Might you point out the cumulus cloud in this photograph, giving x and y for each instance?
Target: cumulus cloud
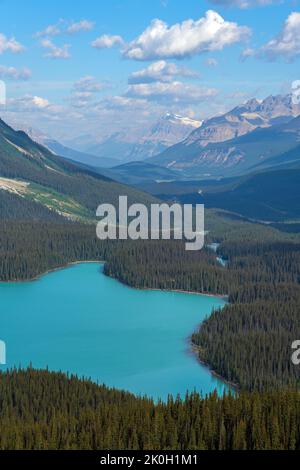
(209, 33)
(80, 26)
(10, 45)
(161, 71)
(244, 3)
(40, 102)
(65, 27)
(287, 44)
(28, 103)
(51, 30)
(174, 92)
(107, 41)
(55, 52)
(11, 73)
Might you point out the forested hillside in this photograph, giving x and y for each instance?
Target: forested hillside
(41, 410)
(261, 278)
(68, 188)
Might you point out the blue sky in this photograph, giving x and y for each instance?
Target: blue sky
(90, 67)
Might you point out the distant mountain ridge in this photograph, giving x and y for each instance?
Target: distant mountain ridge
(59, 149)
(169, 130)
(245, 118)
(219, 144)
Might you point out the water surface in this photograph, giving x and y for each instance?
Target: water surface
(80, 321)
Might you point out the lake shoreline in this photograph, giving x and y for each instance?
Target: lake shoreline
(193, 349)
(196, 351)
(49, 271)
(74, 263)
(190, 292)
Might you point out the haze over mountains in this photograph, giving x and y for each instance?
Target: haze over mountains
(125, 147)
(59, 149)
(241, 140)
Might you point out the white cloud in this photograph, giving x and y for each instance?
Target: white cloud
(209, 33)
(51, 30)
(40, 102)
(10, 45)
(246, 53)
(84, 92)
(80, 26)
(174, 92)
(12, 73)
(244, 3)
(55, 52)
(107, 41)
(123, 101)
(88, 85)
(28, 103)
(161, 71)
(287, 43)
(210, 62)
(65, 27)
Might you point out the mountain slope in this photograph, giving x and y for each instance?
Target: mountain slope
(270, 196)
(54, 182)
(285, 160)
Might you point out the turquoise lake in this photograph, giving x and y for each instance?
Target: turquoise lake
(78, 320)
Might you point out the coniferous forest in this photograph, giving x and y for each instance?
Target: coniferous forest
(111, 112)
(42, 410)
(248, 342)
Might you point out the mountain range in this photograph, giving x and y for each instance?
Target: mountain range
(236, 141)
(126, 147)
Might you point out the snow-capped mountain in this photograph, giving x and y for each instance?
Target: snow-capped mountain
(219, 143)
(126, 147)
(169, 130)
